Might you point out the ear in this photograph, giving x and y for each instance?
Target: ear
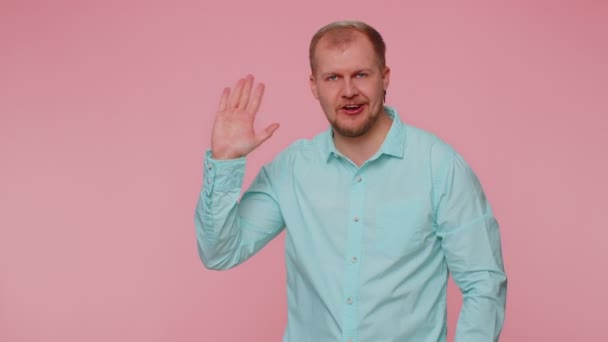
(386, 77)
(313, 87)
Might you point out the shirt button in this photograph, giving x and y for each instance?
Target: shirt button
(353, 260)
(358, 179)
(356, 218)
(209, 167)
(349, 301)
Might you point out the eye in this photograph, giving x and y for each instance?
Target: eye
(331, 78)
(361, 75)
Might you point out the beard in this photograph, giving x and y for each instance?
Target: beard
(356, 131)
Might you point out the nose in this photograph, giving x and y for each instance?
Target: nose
(349, 90)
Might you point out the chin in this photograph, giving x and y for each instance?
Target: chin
(353, 131)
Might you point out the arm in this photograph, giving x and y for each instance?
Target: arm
(471, 244)
(228, 231)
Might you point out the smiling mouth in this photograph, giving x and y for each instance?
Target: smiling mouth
(352, 109)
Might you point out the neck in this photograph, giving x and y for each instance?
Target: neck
(360, 149)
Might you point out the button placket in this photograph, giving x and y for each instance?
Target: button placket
(352, 255)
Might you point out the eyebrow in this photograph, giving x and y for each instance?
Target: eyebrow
(331, 73)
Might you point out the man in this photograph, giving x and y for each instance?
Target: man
(377, 212)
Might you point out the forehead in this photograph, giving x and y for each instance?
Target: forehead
(339, 37)
(344, 49)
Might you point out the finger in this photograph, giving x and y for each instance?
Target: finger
(224, 99)
(256, 99)
(244, 100)
(266, 133)
(236, 94)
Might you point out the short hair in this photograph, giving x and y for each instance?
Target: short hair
(343, 32)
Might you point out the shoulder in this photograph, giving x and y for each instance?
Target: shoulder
(298, 154)
(446, 163)
(427, 144)
(301, 148)
(427, 147)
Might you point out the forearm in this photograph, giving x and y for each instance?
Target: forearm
(218, 232)
(483, 310)
(228, 231)
(474, 256)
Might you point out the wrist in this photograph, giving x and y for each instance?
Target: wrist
(218, 155)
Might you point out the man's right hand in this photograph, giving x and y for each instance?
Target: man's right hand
(233, 133)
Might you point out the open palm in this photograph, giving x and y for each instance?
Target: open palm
(233, 133)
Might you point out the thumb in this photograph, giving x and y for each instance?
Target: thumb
(266, 133)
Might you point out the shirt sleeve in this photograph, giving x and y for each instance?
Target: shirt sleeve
(470, 240)
(230, 231)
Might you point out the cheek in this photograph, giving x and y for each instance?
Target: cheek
(326, 96)
(326, 104)
(376, 91)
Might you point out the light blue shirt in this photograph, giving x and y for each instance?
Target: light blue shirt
(368, 249)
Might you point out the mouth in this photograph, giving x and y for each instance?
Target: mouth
(352, 109)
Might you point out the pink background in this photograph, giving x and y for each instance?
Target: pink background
(106, 109)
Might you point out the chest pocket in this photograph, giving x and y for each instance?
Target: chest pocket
(401, 225)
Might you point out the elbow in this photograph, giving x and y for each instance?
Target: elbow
(214, 265)
(489, 284)
(209, 263)
(212, 261)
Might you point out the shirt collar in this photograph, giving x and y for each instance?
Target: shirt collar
(393, 144)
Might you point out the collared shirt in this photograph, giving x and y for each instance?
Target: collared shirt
(368, 249)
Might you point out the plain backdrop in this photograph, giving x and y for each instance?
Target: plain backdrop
(106, 110)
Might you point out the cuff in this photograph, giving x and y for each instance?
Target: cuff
(225, 174)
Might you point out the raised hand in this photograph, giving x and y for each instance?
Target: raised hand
(233, 133)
